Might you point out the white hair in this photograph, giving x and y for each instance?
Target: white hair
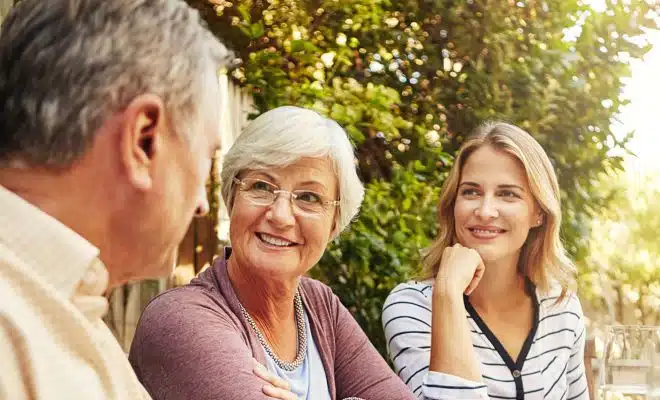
(282, 136)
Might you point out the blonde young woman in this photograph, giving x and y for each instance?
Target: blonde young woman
(494, 315)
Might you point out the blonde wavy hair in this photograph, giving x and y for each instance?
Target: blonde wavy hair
(543, 259)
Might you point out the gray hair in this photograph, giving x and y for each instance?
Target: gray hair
(282, 136)
(66, 65)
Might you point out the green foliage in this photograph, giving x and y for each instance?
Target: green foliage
(622, 272)
(381, 246)
(408, 80)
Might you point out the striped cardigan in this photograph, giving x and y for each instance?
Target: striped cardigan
(550, 364)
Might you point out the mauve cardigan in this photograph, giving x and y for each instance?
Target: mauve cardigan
(193, 342)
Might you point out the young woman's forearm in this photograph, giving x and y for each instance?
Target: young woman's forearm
(451, 339)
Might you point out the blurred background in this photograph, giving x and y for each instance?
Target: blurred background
(408, 79)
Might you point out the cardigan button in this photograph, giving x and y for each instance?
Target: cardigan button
(515, 373)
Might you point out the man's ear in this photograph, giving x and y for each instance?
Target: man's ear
(142, 129)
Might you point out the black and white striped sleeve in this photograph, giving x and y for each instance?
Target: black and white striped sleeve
(575, 370)
(407, 325)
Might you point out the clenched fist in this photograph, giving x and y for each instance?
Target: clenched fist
(460, 271)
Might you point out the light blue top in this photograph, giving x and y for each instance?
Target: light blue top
(308, 381)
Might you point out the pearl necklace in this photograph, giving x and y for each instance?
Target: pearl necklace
(301, 350)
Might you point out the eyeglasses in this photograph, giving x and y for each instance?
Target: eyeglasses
(305, 202)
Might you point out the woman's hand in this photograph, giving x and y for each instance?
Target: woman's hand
(277, 387)
(452, 353)
(460, 271)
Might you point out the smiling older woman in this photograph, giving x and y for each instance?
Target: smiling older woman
(290, 186)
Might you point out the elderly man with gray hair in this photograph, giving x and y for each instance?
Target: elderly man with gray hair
(107, 130)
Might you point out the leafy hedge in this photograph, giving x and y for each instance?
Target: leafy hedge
(409, 79)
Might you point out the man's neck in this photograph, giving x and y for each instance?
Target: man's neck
(64, 195)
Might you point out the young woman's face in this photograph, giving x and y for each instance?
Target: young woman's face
(494, 208)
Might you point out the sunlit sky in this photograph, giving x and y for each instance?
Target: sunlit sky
(643, 112)
(642, 115)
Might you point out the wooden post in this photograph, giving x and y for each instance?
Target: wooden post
(589, 356)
